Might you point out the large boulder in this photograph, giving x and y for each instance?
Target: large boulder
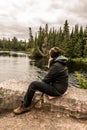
(73, 103)
(11, 93)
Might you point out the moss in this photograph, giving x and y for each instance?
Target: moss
(47, 107)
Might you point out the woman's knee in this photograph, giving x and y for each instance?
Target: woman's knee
(33, 85)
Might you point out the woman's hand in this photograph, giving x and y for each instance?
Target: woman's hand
(50, 59)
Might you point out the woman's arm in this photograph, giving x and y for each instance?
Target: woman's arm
(52, 74)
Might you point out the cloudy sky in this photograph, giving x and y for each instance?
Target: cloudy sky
(17, 15)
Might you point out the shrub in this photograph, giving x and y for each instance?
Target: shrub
(82, 80)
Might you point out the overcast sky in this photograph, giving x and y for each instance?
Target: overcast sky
(17, 15)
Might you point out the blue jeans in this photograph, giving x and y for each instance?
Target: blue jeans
(40, 86)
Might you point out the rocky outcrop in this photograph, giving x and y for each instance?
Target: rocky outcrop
(73, 103)
(11, 92)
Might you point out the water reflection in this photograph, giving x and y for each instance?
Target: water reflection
(19, 67)
(40, 63)
(15, 65)
(72, 65)
(12, 53)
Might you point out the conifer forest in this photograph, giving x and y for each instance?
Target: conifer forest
(73, 42)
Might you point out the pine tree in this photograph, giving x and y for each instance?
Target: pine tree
(78, 51)
(15, 44)
(66, 32)
(46, 29)
(85, 51)
(53, 37)
(85, 42)
(31, 41)
(49, 38)
(66, 37)
(59, 38)
(81, 32)
(40, 39)
(74, 40)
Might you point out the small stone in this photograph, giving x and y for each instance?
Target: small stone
(58, 115)
(67, 115)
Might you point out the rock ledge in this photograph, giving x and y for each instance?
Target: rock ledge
(73, 103)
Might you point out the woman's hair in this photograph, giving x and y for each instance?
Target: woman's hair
(55, 52)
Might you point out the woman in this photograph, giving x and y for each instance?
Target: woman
(55, 83)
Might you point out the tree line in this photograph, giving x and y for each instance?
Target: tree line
(12, 44)
(72, 42)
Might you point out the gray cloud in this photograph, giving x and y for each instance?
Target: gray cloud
(17, 15)
(75, 12)
(80, 9)
(13, 30)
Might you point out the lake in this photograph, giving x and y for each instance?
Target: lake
(15, 65)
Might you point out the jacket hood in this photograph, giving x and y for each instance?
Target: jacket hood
(61, 59)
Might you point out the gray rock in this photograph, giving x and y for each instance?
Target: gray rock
(73, 103)
(11, 93)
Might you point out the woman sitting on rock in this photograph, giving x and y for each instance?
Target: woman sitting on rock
(54, 84)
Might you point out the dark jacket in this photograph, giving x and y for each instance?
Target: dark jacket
(58, 74)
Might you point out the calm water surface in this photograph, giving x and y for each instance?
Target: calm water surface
(15, 65)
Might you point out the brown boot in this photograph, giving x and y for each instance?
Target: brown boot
(21, 109)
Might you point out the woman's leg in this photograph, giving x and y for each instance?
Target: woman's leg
(36, 85)
(40, 86)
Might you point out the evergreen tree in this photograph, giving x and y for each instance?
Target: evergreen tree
(1, 44)
(50, 38)
(15, 44)
(81, 32)
(35, 40)
(59, 38)
(85, 42)
(78, 49)
(66, 32)
(74, 40)
(46, 29)
(85, 51)
(40, 39)
(31, 41)
(66, 37)
(9, 44)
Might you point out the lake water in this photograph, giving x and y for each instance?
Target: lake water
(14, 65)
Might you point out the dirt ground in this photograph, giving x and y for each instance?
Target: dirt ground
(40, 120)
